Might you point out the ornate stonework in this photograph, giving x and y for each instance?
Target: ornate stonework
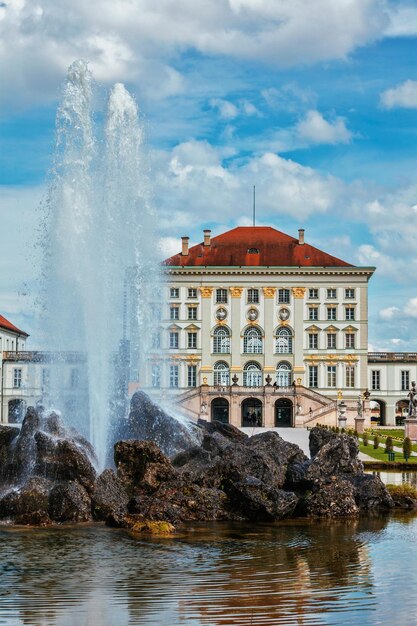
(236, 292)
(206, 292)
(298, 292)
(269, 292)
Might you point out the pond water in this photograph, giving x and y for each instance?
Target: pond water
(396, 478)
(357, 572)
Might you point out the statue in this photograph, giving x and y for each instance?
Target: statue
(412, 401)
(360, 406)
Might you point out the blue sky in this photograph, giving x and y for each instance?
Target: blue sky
(315, 103)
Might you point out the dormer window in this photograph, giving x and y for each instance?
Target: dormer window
(253, 251)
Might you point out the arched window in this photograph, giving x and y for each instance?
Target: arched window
(221, 374)
(221, 340)
(252, 375)
(283, 341)
(284, 377)
(252, 341)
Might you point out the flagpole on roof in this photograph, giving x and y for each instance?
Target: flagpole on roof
(254, 204)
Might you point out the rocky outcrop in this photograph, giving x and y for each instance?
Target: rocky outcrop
(69, 502)
(333, 498)
(109, 497)
(142, 464)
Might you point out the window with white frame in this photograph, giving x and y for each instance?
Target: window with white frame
(156, 376)
(17, 378)
(283, 374)
(331, 313)
(221, 296)
(331, 294)
(252, 374)
(313, 341)
(156, 340)
(221, 340)
(192, 292)
(252, 341)
(192, 340)
(192, 375)
(173, 339)
(253, 296)
(313, 293)
(283, 341)
(350, 313)
(313, 313)
(174, 292)
(283, 296)
(173, 376)
(331, 341)
(221, 372)
(405, 380)
(349, 293)
(192, 312)
(375, 380)
(313, 376)
(350, 340)
(331, 375)
(174, 313)
(350, 375)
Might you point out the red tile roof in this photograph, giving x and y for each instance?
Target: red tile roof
(269, 247)
(9, 326)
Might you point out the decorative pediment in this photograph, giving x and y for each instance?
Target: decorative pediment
(313, 329)
(350, 329)
(331, 329)
(192, 328)
(174, 328)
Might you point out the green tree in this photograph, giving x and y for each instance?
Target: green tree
(365, 439)
(407, 447)
(376, 442)
(389, 444)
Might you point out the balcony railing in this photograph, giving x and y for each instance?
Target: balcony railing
(40, 356)
(392, 356)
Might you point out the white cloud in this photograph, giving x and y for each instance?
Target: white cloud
(314, 129)
(404, 95)
(402, 21)
(141, 41)
(410, 308)
(227, 110)
(389, 313)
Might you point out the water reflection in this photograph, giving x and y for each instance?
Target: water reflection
(288, 573)
(396, 478)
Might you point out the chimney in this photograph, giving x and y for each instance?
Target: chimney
(301, 236)
(184, 251)
(207, 232)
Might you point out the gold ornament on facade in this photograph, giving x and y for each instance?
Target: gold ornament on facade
(298, 292)
(206, 292)
(269, 292)
(236, 292)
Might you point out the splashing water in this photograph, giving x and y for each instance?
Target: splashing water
(99, 243)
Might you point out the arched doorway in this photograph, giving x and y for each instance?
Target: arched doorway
(284, 374)
(283, 412)
(252, 412)
(16, 411)
(220, 410)
(378, 412)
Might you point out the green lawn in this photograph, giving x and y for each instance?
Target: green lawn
(397, 435)
(380, 455)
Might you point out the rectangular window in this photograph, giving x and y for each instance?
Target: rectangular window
(46, 378)
(375, 380)
(174, 313)
(313, 313)
(331, 341)
(283, 296)
(221, 296)
(350, 376)
(74, 378)
(173, 339)
(191, 340)
(349, 293)
(350, 313)
(331, 294)
(331, 375)
(156, 340)
(253, 296)
(174, 292)
(156, 376)
(313, 341)
(350, 340)
(405, 380)
(192, 312)
(192, 292)
(331, 313)
(173, 376)
(313, 294)
(17, 378)
(313, 376)
(192, 376)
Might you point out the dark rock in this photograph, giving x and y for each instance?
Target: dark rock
(69, 502)
(109, 497)
(370, 492)
(27, 504)
(318, 437)
(140, 464)
(7, 436)
(288, 457)
(332, 499)
(338, 456)
(227, 431)
(148, 422)
(257, 501)
(63, 459)
(197, 456)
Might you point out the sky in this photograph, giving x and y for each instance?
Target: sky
(313, 102)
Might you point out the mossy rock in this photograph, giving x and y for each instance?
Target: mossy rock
(149, 527)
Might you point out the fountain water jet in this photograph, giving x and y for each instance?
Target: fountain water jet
(98, 227)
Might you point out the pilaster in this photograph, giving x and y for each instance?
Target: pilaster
(298, 324)
(269, 324)
(235, 311)
(206, 323)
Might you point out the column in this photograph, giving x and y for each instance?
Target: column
(206, 322)
(269, 323)
(298, 324)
